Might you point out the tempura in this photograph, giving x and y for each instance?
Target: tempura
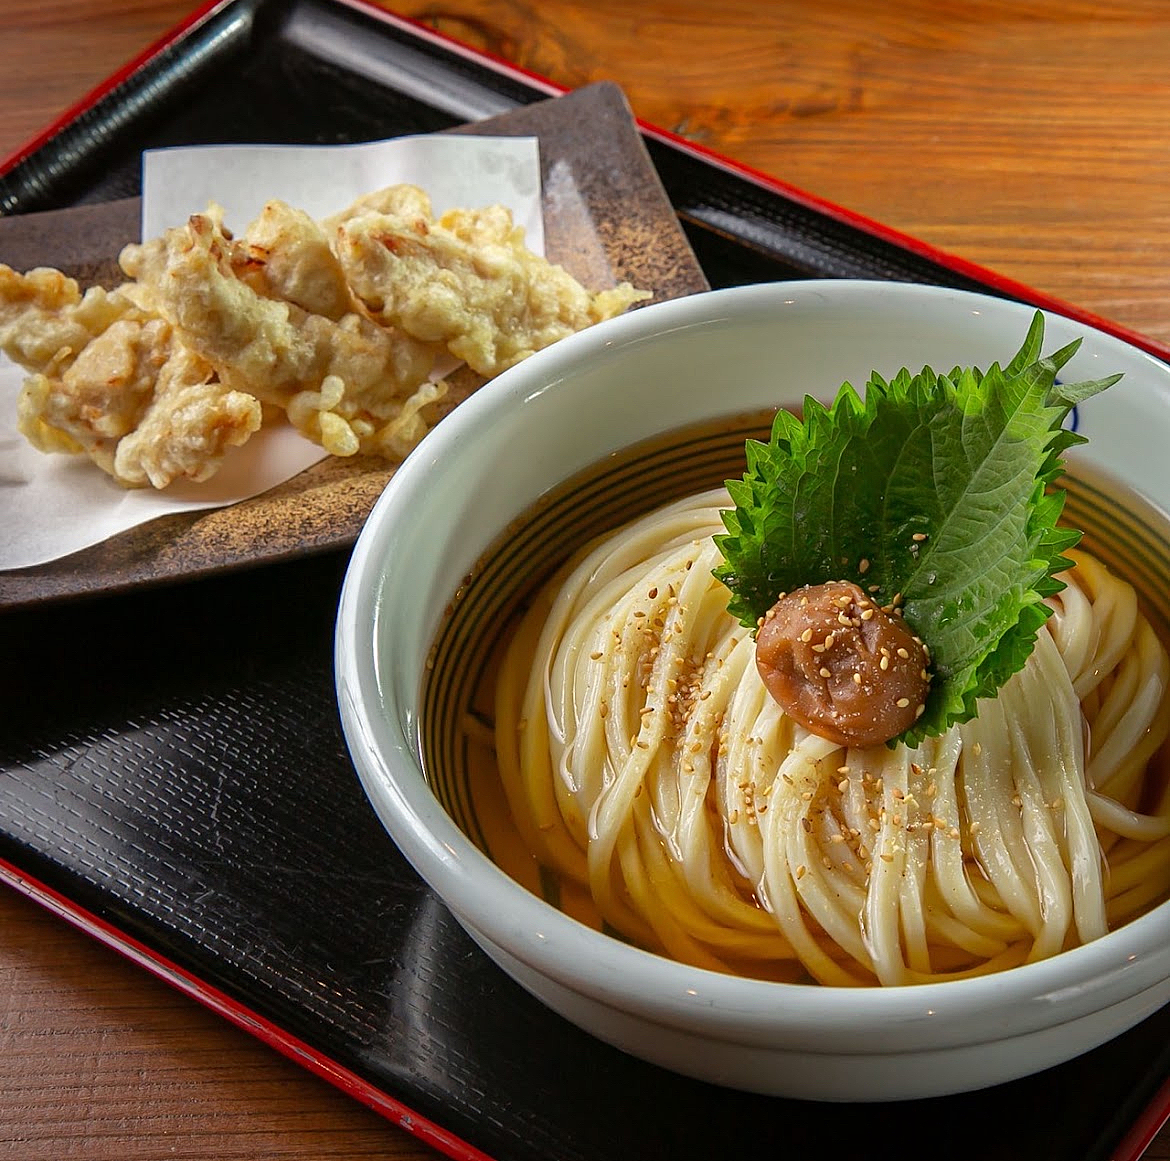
(340, 327)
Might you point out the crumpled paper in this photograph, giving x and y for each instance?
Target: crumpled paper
(53, 505)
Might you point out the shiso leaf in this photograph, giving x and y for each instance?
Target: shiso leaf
(937, 488)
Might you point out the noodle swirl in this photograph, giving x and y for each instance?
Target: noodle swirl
(642, 757)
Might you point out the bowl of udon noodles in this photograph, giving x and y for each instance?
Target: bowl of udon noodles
(571, 740)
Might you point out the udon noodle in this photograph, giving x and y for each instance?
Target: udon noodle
(643, 758)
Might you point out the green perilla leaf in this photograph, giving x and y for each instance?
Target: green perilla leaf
(936, 489)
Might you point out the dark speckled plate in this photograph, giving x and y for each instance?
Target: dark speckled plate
(607, 219)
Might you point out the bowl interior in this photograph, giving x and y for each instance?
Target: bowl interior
(1125, 532)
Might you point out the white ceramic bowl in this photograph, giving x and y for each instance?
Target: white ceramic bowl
(657, 368)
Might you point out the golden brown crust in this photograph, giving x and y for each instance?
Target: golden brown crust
(466, 280)
(158, 379)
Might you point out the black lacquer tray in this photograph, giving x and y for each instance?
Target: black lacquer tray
(184, 793)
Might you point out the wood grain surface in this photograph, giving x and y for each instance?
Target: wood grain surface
(1030, 138)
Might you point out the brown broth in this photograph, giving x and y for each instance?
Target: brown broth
(1127, 534)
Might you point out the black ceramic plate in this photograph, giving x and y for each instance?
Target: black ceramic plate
(188, 798)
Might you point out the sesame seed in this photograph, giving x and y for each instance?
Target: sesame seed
(919, 537)
(856, 677)
(801, 871)
(825, 672)
(902, 653)
(884, 663)
(863, 566)
(806, 636)
(902, 702)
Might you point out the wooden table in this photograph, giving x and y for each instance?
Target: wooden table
(1029, 137)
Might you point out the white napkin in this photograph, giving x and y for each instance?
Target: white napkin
(52, 505)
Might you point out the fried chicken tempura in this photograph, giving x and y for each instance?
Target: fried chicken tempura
(285, 254)
(337, 324)
(100, 396)
(188, 426)
(400, 201)
(45, 321)
(467, 281)
(345, 383)
(108, 381)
